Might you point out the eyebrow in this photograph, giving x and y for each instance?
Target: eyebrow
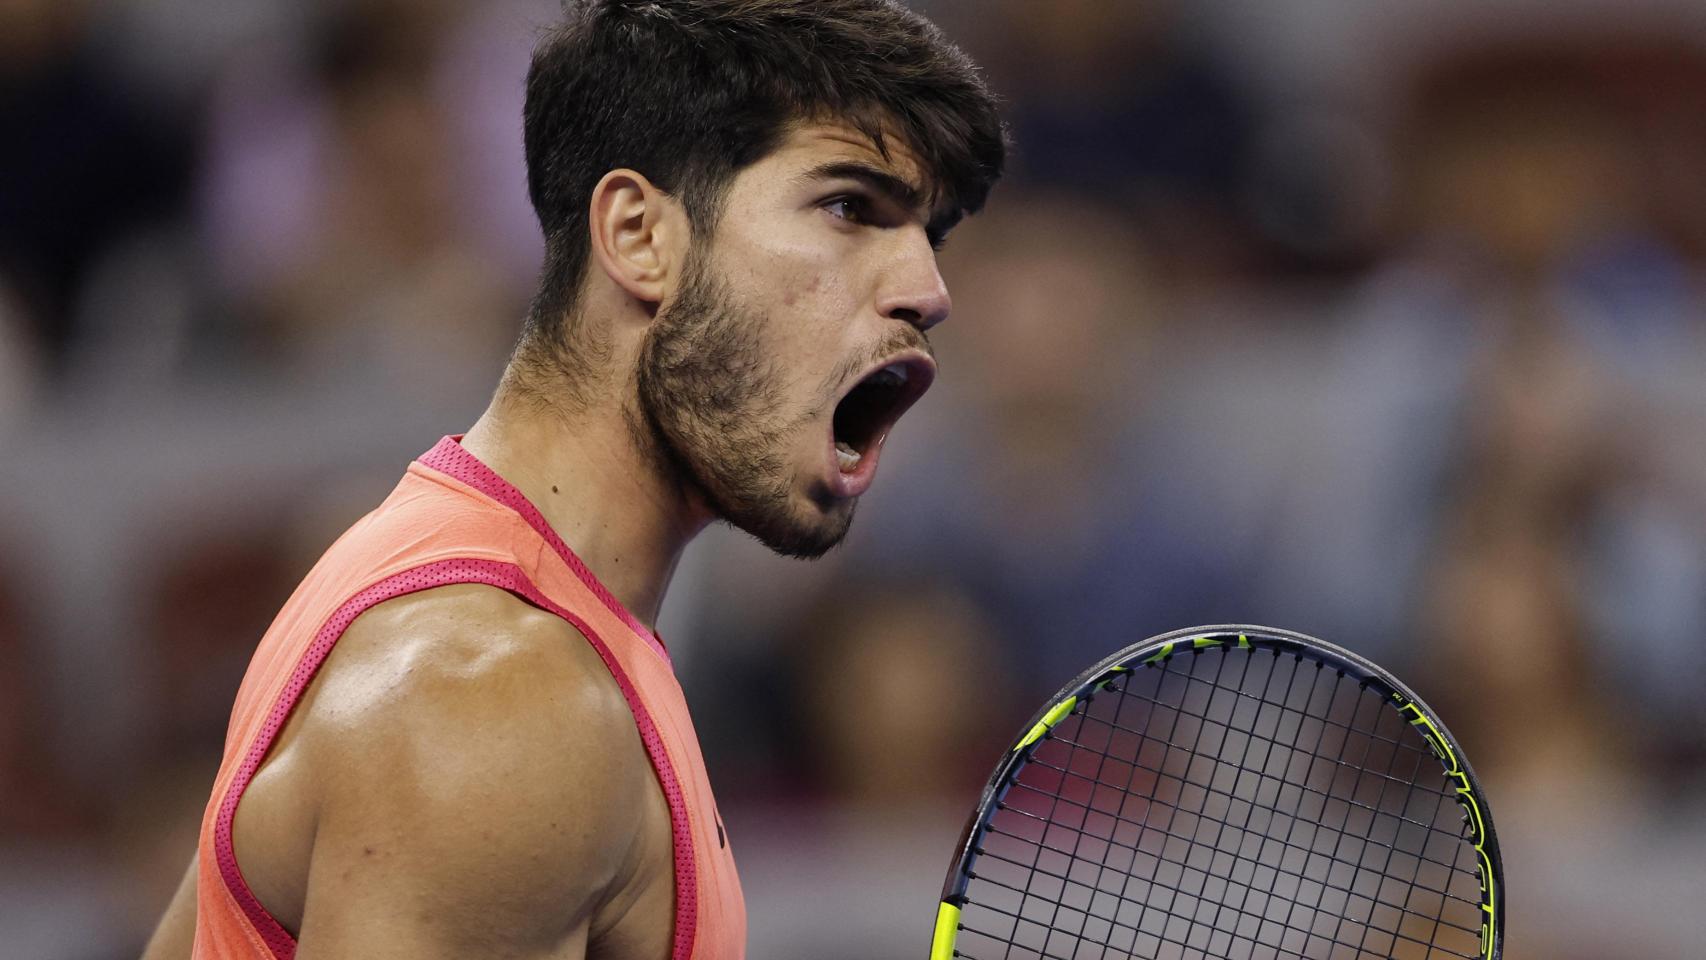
(897, 190)
(878, 179)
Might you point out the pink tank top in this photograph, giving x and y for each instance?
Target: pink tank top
(453, 520)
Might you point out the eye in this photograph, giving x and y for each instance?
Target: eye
(853, 209)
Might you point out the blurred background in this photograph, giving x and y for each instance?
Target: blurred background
(1380, 321)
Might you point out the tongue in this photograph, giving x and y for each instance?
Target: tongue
(846, 456)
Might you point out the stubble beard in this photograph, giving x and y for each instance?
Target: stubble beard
(709, 396)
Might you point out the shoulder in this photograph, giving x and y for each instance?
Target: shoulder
(480, 666)
(469, 682)
(451, 646)
(475, 746)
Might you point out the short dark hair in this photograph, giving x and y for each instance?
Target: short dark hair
(689, 92)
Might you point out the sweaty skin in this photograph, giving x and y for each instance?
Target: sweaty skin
(387, 821)
(434, 837)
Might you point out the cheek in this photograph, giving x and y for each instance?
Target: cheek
(813, 305)
(823, 292)
(793, 262)
(812, 314)
(803, 293)
(800, 280)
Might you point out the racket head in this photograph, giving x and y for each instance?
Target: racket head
(1302, 837)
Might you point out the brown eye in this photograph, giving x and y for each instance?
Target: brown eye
(851, 209)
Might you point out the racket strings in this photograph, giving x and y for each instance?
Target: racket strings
(1237, 856)
(1063, 878)
(1418, 752)
(1441, 795)
(1091, 914)
(1316, 819)
(1193, 841)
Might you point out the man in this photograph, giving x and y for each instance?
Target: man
(461, 737)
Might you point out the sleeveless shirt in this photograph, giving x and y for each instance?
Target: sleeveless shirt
(453, 520)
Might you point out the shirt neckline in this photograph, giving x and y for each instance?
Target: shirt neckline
(452, 459)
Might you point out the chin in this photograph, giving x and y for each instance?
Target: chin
(804, 534)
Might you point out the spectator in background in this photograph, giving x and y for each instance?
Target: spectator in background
(898, 686)
(1527, 226)
(370, 269)
(90, 163)
(1513, 658)
(1503, 620)
(1120, 101)
(36, 798)
(896, 697)
(51, 897)
(1496, 482)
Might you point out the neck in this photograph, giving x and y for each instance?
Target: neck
(626, 516)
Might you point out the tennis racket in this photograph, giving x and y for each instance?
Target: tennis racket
(1228, 793)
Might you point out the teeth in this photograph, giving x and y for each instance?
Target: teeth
(846, 456)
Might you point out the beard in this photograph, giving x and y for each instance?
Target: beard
(710, 397)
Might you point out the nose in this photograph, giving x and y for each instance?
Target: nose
(913, 289)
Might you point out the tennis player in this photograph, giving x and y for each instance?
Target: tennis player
(462, 737)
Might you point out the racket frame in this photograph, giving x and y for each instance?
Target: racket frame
(1098, 678)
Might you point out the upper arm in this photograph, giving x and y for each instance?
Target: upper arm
(478, 797)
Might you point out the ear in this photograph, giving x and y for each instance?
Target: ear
(639, 234)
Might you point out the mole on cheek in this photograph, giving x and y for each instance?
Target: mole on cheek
(793, 296)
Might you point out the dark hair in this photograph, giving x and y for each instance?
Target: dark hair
(689, 92)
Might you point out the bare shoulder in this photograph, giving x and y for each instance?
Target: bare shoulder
(475, 769)
(466, 654)
(482, 667)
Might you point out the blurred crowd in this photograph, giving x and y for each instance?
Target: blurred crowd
(1386, 328)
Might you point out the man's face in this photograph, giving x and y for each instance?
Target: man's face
(796, 340)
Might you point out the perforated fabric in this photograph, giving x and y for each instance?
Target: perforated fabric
(444, 526)
(449, 458)
(505, 576)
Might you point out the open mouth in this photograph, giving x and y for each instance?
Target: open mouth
(865, 415)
